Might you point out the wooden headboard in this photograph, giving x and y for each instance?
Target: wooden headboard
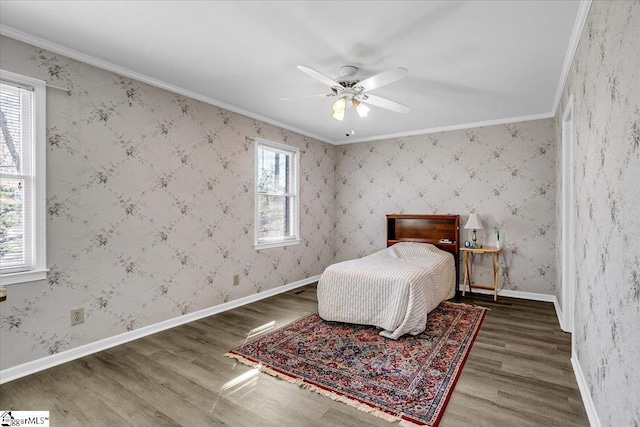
(426, 229)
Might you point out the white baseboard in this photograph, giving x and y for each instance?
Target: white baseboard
(47, 362)
(559, 313)
(514, 294)
(525, 295)
(590, 408)
(594, 421)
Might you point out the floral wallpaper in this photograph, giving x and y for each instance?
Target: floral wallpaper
(150, 209)
(504, 173)
(605, 82)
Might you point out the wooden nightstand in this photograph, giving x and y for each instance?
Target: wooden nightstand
(495, 258)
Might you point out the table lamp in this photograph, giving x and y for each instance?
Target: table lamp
(474, 223)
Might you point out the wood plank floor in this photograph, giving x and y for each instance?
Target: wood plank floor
(518, 374)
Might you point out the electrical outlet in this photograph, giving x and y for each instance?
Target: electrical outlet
(77, 316)
(236, 279)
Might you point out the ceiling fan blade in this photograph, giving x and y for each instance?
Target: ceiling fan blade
(320, 77)
(382, 79)
(317, 95)
(381, 102)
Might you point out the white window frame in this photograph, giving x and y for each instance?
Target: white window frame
(294, 239)
(35, 217)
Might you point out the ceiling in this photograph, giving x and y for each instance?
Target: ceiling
(470, 62)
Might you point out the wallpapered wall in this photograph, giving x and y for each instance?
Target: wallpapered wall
(504, 173)
(605, 82)
(150, 205)
(150, 209)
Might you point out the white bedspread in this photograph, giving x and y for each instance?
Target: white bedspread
(393, 289)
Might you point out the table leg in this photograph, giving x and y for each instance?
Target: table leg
(466, 274)
(496, 266)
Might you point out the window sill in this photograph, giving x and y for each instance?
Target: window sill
(22, 277)
(260, 246)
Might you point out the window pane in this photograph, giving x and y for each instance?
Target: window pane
(274, 217)
(273, 171)
(277, 191)
(15, 128)
(12, 232)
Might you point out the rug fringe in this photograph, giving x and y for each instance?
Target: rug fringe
(468, 305)
(331, 395)
(407, 423)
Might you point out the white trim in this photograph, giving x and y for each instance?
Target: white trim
(40, 165)
(578, 27)
(23, 276)
(47, 362)
(279, 243)
(534, 296)
(463, 126)
(20, 79)
(294, 193)
(284, 148)
(589, 406)
(87, 59)
(568, 215)
(37, 221)
(556, 305)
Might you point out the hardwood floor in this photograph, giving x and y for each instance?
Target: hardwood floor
(518, 373)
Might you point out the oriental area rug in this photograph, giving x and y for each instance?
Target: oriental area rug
(408, 380)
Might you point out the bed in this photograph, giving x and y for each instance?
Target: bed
(395, 288)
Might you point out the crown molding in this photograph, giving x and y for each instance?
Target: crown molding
(578, 27)
(463, 126)
(105, 65)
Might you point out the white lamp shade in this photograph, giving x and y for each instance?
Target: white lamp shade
(338, 115)
(362, 109)
(340, 104)
(474, 223)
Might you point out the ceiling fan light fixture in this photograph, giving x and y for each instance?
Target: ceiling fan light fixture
(347, 87)
(362, 109)
(338, 115)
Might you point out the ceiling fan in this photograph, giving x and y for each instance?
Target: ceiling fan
(350, 90)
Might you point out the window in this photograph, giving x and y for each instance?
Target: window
(22, 179)
(277, 201)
